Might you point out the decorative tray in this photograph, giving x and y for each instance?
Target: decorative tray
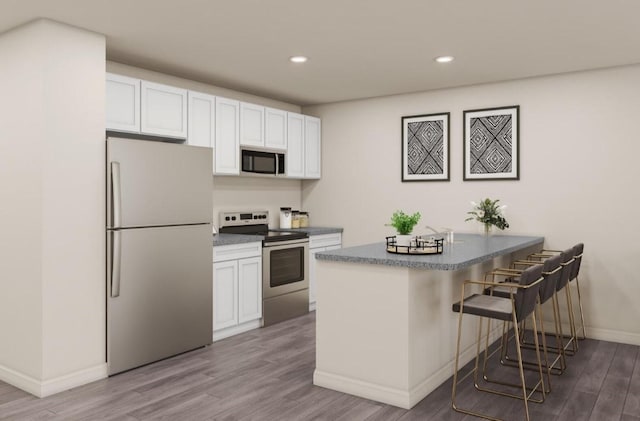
(417, 245)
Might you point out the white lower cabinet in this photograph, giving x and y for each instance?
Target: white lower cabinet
(249, 289)
(225, 294)
(318, 243)
(237, 289)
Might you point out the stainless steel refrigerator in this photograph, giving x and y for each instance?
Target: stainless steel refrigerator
(159, 251)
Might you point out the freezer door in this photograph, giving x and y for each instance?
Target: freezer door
(157, 183)
(163, 302)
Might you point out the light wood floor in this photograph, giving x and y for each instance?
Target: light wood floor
(266, 374)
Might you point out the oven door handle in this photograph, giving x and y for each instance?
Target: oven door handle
(286, 244)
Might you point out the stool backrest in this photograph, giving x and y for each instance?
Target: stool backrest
(577, 254)
(567, 267)
(552, 271)
(525, 300)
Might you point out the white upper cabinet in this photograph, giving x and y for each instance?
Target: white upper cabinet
(313, 147)
(139, 106)
(164, 110)
(227, 137)
(251, 125)
(202, 109)
(275, 124)
(295, 145)
(123, 103)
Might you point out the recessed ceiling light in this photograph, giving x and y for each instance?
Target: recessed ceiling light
(444, 59)
(298, 59)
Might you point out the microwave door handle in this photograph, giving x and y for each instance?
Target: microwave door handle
(277, 164)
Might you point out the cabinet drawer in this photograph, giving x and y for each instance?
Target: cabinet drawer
(236, 251)
(325, 240)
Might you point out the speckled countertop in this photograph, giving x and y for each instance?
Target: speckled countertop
(313, 230)
(228, 239)
(467, 250)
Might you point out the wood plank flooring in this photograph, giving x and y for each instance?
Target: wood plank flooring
(266, 374)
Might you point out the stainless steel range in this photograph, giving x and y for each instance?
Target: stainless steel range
(285, 264)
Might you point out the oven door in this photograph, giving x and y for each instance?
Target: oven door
(285, 267)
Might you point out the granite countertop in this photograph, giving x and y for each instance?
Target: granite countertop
(467, 250)
(228, 239)
(313, 230)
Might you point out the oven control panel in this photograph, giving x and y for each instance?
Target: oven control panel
(243, 218)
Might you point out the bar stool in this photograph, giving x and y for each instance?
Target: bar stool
(551, 272)
(569, 263)
(520, 305)
(578, 250)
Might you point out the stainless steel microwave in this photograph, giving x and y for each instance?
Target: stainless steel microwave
(261, 162)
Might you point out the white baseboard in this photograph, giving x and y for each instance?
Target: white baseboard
(50, 387)
(312, 306)
(235, 330)
(388, 395)
(608, 335)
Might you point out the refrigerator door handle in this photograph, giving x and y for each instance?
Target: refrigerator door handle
(116, 195)
(115, 263)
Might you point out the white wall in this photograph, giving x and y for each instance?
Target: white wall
(233, 193)
(21, 128)
(52, 293)
(579, 152)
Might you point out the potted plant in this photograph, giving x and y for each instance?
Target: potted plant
(404, 224)
(488, 213)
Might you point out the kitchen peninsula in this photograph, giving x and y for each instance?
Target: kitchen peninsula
(384, 329)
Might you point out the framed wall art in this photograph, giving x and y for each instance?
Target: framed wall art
(491, 144)
(425, 147)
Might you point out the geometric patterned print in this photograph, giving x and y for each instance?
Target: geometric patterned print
(425, 147)
(490, 144)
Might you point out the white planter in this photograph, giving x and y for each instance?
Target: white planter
(403, 240)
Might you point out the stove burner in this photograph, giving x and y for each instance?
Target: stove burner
(245, 223)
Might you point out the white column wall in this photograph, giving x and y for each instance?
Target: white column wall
(53, 291)
(21, 128)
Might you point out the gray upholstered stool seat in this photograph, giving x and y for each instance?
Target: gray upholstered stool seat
(487, 306)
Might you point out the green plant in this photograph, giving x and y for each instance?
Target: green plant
(489, 213)
(404, 223)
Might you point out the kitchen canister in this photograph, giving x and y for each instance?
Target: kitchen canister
(295, 219)
(304, 219)
(285, 218)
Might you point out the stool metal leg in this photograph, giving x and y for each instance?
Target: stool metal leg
(558, 333)
(584, 332)
(572, 321)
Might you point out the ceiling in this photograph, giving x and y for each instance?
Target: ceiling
(356, 48)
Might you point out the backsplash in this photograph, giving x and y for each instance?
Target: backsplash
(255, 193)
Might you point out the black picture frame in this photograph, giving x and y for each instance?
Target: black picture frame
(491, 145)
(425, 147)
